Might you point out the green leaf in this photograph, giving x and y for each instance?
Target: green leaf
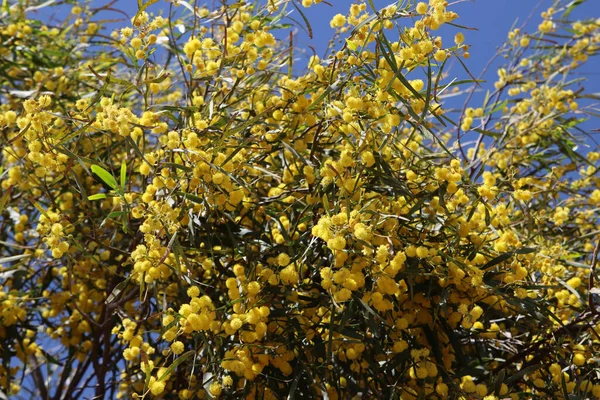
(308, 27)
(576, 264)
(50, 358)
(351, 45)
(569, 288)
(5, 198)
(326, 203)
(497, 107)
(570, 7)
(142, 7)
(117, 290)
(523, 373)
(79, 159)
(10, 259)
(505, 256)
(123, 175)
(97, 196)
(495, 261)
(294, 385)
(487, 133)
(103, 89)
(178, 361)
(499, 382)
(116, 214)
(158, 79)
(525, 250)
(105, 176)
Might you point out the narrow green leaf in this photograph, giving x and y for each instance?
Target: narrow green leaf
(306, 21)
(158, 79)
(97, 196)
(525, 250)
(369, 309)
(570, 7)
(495, 261)
(103, 89)
(5, 198)
(105, 176)
(569, 288)
(522, 373)
(468, 72)
(487, 133)
(326, 203)
(81, 160)
(116, 214)
(351, 45)
(499, 382)
(10, 259)
(178, 361)
(116, 292)
(576, 264)
(123, 175)
(497, 108)
(294, 384)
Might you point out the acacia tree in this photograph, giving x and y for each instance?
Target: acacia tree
(189, 210)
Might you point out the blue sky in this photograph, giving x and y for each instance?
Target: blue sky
(490, 19)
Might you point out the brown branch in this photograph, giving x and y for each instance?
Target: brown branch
(81, 368)
(591, 280)
(562, 331)
(38, 378)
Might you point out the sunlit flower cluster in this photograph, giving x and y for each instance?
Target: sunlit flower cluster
(234, 222)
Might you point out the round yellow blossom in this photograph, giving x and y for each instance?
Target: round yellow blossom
(193, 291)
(422, 8)
(157, 387)
(215, 389)
(441, 389)
(337, 21)
(283, 259)
(422, 252)
(253, 288)
(579, 359)
(336, 243)
(136, 43)
(177, 347)
(459, 38)
(440, 55)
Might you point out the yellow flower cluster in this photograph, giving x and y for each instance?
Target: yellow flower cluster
(224, 228)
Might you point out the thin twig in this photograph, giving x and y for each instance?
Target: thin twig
(591, 279)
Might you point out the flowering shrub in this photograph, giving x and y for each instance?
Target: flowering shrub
(188, 210)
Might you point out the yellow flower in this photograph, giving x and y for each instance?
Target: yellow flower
(459, 38)
(422, 8)
(157, 388)
(337, 21)
(215, 389)
(177, 347)
(440, 56)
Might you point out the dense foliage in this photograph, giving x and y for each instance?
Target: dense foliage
(190, 208)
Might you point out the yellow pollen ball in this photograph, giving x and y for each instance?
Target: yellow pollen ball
(440, 55)
(422, 8)
(579, 359)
